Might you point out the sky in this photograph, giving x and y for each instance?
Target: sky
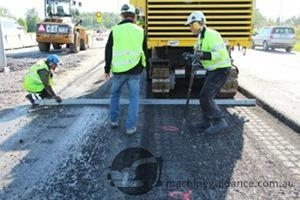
(269, 8)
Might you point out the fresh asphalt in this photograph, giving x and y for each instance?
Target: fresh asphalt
(67, 152)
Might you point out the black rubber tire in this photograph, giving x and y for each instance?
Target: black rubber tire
(56, 46)
(265, 46)
(252, 45)
(74, 48)
(83, 45)
(44, 47)
(288, 49)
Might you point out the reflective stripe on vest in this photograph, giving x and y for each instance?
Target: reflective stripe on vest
(214, 43)
(32, 81)
(127, 47)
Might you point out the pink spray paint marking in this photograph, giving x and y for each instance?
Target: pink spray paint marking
(181, 195)
(169, 128)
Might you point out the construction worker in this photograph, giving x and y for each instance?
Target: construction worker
(211, 52)
(125, 57)
(39, 80)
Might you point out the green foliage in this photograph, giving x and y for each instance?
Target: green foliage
(108, 20)
(4, 12)
(259, 20)
(294, 21)
(32, 18)
(23, 23)
(297, 46)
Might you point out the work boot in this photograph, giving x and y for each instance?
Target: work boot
(131, 131)
(216, 126)
(113, 124)
(204, 124)
(29, 97)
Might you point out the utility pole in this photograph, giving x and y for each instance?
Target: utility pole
(2, 52)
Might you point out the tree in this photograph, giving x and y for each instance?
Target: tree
(4, 12)
(258, 19)
(294, 21)
(32, 18)
(23, 23)
(110, 19)
(89, 20)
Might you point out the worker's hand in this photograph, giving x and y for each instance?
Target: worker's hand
(107, 76)
(58, 99)
(198, 55)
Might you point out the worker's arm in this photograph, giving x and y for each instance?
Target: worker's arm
(145, 49)
(44, 75)
(203, 55)
(108, 53)
(218, 48)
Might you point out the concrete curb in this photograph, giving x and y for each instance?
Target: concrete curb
(273, 111)
(21, 41)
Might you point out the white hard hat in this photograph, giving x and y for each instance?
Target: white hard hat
(128, 8)
(196, 16)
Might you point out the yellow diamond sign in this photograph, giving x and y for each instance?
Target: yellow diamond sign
(99, 17)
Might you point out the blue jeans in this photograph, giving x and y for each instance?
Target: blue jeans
(133, 84)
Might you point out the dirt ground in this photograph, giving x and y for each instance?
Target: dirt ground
(11, 89)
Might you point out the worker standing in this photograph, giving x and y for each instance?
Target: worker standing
(125, 57)
(211, 52)
(39, 80)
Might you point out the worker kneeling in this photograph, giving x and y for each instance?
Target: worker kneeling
(39, 80)
(212, 53)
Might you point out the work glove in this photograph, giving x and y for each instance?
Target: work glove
(57, 99)
(198, 55)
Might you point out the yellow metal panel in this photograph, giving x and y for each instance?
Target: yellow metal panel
(234, 33)
(228, 17)
(152, 23)
(231, 27)
(186, 12)
(139, 4)
(219, 28)
(239, 1)
(166, 33)
(185, 28)
(229, 22)
(207, 18)
(187, 42)
(199, 6)
(194, 1)
(166, 18)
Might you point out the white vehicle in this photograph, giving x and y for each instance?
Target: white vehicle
(275, 37)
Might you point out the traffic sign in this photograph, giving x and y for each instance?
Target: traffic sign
(99, 17)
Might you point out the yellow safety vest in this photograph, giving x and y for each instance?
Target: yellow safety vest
(127, 47)
(214, 43)
(32, 81)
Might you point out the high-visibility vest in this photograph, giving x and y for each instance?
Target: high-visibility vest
(32, 81)
(127, 47)
(213, 43)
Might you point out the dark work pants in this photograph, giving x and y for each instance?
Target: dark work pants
(213, 82)
(44, 94)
